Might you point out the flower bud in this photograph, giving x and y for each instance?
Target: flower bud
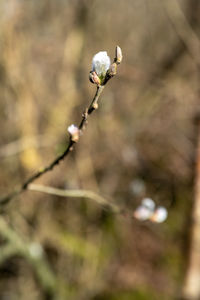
(95, 105)
(118, 55)
(74, 132)
(113, 69)
(101, 64)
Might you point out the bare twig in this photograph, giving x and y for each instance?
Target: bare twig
(76, 194)
(94, 105)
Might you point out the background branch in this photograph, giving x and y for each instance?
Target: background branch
(75, 194)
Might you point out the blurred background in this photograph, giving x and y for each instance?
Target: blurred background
(141, 142)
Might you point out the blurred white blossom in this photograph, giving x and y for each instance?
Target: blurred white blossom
(137, 187)
(148, 211)
(160, 215)
(145, 210)
(148, 203)
(142, 213)
(101, 63)
(36, 250)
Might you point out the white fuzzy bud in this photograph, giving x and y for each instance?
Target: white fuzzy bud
(101, 64)
(74, 132)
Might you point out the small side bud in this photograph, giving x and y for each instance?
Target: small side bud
(95, 105)
(113, 70)
(118, 55)
(94, 78)
(74, 133)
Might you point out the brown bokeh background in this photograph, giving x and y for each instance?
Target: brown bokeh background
(140, 142)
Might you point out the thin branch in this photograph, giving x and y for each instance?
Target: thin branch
(93, 106)
(76, 194)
